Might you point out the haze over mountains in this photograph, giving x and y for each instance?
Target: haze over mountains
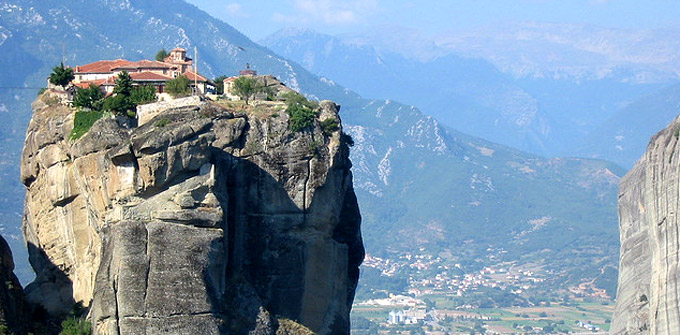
(544, 88)
(420, 183)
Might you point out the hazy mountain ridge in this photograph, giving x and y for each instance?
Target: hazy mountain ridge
(548, 115)
(410, 171)
(623, 137)
(546, 50)
(466, 93)
(579, 52)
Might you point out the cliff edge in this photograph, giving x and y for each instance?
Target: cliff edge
(649, 201)
(208, 218)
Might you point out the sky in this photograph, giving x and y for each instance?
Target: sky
(259, 18)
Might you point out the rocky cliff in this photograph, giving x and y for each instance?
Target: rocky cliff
(649, 201)
(13, 308)
(207, 219)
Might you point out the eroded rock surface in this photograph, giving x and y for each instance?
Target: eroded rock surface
(13, 308)
(649, 201)
(206, 219)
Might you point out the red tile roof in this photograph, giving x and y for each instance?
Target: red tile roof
(86, 84)
(102, 66)
(150, 76)
(191, 75)
(145, 64)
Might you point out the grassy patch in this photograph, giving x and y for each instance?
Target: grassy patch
(161, 123)
(82, 123)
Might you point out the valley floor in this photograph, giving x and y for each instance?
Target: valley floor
(437, 315)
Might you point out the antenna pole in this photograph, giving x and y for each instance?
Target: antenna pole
(63, 52)
(196, 69)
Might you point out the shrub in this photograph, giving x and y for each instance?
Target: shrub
(329, 126)
(301, 117)
(290, 327)
(178, 87)
(219, 84)
(246, 87)
(294, 98)
(75, 326)
(119, 104)
(161, 123)
(161, 55)
(82, 122)
(90, 97)
(300, 110)
(61, 76)
(143, 94)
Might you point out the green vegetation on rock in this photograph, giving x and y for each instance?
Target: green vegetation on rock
(61, 75)
(246, 87)
(178, 87)
(301, 111)
(143, 94)
(82, 122)
(91, 97)
(75, 326)
(329, 126)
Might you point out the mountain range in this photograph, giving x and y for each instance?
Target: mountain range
(556, 105)
(421, 184)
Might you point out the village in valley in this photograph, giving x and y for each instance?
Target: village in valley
(441, 298)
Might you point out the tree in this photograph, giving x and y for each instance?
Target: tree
(161, 55)
(219, 84)
(143, 94)
(178, 87)
(246, 87)
(301, 111)
(301, 117)
(119, 104)
(90, 97)
(75, 326)
(123, 84)
(61, 76)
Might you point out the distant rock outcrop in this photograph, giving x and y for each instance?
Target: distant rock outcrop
(207, 219)
(13, 307)
(649, 203)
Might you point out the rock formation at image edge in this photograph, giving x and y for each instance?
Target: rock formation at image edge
(649, 201)
(207, 218)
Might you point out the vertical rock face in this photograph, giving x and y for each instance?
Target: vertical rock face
(649, 201)
(13, 307)
(205, 220)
